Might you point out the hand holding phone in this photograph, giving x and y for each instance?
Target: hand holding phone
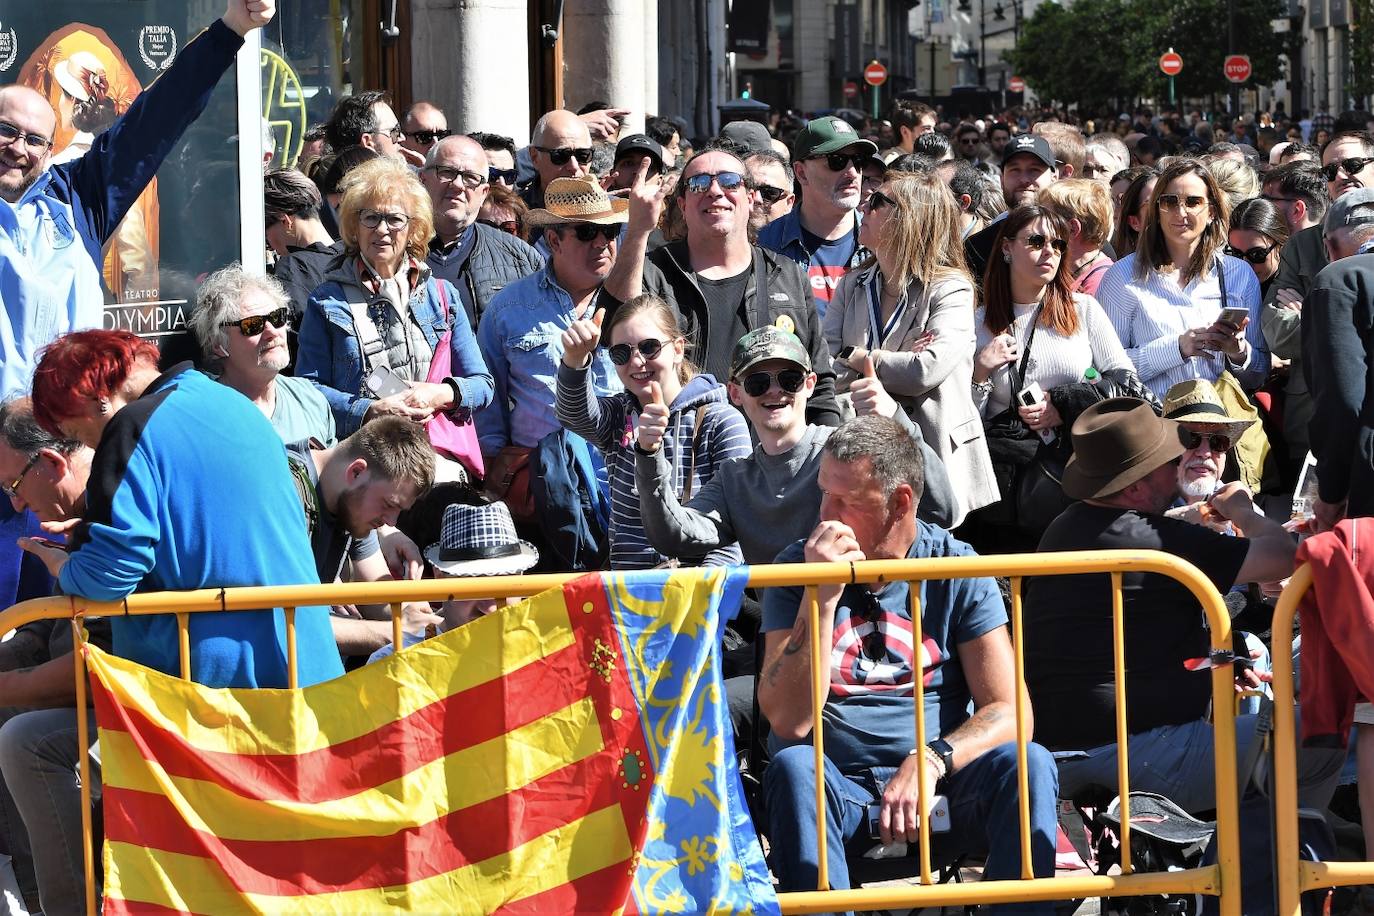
(383, 382)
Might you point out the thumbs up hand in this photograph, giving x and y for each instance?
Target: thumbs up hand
(581, 338)
(868, 394)
(653, 420)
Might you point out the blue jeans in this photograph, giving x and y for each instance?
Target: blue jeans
(983, 816)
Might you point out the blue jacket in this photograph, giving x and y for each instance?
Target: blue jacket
(331, 357)
(50, 241)
(190, 489)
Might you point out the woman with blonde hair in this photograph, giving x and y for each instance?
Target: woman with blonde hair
(1182, 308)
(1236, 179)
(1085, 205)
(907, 316)
(370, 329)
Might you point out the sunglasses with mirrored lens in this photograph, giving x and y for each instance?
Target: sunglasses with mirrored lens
(757, 384)
(1257, 255)
(501, 176)
(700, 183)
(769, 194)
(1351, 167)
(1037, 241)
(648, 348)
(562, 154)
(1215, 441)
(254, 324)
(1191, 202)
(838, 162)
(877, 200)
(429, 136)
(586, 232)
(510, 225)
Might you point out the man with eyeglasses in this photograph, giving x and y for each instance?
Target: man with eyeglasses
(870, 480)
(424, 126)
(478, 260)
(62, 216)
(560, 147)
(366, 119)
(721, 285)
(822, 232)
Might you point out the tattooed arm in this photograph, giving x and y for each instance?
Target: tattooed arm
(989, 668)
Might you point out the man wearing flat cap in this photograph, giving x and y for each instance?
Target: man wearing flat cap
(1124, 474)
(1337, 330)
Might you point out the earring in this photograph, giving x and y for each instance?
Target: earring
(104, 406)
(1006, 256)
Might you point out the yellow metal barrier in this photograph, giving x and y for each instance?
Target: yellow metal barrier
(1221, 879)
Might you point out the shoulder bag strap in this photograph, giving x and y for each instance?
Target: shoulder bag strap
(1019, 376)
(692, 454)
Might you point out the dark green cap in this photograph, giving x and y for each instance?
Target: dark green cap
(826, 135)
(765, 343)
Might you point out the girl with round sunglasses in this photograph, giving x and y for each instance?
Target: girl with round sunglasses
(667, 406)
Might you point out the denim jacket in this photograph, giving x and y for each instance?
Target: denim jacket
(330, 355)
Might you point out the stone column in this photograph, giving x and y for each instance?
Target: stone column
(650, 45)
(604, 56)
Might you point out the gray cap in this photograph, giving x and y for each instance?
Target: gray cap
(765, 343)
(751, 135)
(1353, 208)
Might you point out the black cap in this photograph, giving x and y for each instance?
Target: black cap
(640, 143)
(1030, 144)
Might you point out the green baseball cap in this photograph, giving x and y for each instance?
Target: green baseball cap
(822, 136)
(765, 343)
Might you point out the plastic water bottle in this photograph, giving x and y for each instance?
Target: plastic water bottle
(1091, 376)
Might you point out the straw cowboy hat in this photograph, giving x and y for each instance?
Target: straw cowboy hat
(1196, 403)
(578, 200)
(1117, 442)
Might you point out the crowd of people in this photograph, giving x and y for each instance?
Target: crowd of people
(809, 340)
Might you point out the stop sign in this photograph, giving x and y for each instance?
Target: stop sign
(875, 74)
(1016, 84)
(1237, 68)
(851, 90)
(1170, 64)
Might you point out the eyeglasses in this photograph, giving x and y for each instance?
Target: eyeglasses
(1351, 167)
(1217, 442)
(877, 200)
(700, 183)
(395, 133)
(838, 162)
(1036, 241)
(429, 136)
(1090, 170)
(757, 384)
(1257, 255)
(585, 232)
(562, 154)
(769, 194)
(36, 143)
(648, 348)
(510, 225)
(448, 175)
(374, 218)
(502, 176)
(12, 489)
(253, 324)
(1191, 202)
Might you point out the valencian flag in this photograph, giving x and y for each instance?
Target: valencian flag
(569, 754)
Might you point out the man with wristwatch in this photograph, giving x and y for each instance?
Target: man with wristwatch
(871, 479)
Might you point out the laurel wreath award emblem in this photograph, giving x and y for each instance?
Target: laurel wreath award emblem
(9, 47)
(157, 45)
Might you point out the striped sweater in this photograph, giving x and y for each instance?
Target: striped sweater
(608, 422)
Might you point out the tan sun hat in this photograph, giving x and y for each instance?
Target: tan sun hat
(578, 200)
(1195, 402)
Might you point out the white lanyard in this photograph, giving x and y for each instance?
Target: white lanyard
(877, 334)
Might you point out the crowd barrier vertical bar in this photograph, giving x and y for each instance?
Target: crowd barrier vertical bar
(1022, 737)
(1123, 736)
(184, 643)
(818, 693)
(1224, 756)
(83, 744)
(396, 636)
(918, 696)
(1285, 740)
(292, 678)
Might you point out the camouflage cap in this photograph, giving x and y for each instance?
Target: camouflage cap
(767, 343)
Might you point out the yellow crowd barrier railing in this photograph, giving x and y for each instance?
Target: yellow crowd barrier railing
(1221, 880)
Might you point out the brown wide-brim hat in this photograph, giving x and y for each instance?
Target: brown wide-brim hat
(1115, 443)
(578, 200)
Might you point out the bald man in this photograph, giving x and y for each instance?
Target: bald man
(479, 260)
(50, 249)
(560, 147)
(424, 126)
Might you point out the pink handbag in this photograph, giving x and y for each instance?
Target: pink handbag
(454, 440)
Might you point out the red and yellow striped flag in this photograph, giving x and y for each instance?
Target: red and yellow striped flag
(501, 767)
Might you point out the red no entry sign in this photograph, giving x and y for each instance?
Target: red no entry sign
(1170, 64)
(1016, 84)
(851, 90)
(875, 74)
(1237, 68)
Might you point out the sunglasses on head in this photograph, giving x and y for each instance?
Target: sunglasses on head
(648, 348)
(1191, 202)
(757, 384)
(253, 324)
(1036, 241)
(838, 162)
(586, 232)
(1217, 442)
(769, 194)
(700, 183)
(561, 155)
(501, 176)
(510, 225)
(1351, 167)
(1257, 255)
(429, 136)
(877, 200)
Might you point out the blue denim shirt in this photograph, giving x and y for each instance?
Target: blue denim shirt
(331, 358)
(521, 337)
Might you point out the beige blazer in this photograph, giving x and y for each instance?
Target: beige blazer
(932, 385)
